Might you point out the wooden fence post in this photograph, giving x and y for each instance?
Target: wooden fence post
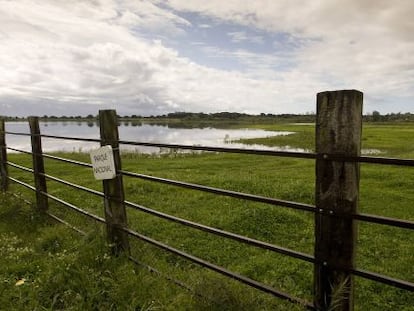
(38, 165)
(338, 132)
(3, 157)
(115, 212)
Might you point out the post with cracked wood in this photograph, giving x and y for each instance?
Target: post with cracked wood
(115, 212)
(338, 133)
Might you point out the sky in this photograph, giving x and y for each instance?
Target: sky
(152, 57)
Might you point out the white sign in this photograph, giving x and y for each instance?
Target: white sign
(103, 163)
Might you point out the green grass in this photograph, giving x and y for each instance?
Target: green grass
(72, 271)
(49, 267)
(392, 139)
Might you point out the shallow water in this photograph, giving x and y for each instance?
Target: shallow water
(139, 133)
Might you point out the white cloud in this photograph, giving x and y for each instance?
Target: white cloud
(361, 44)
(56, 54)
(237, 36)
(204, 26)
(94, 54)
(146, 15)
(241, 36)
(316, 18)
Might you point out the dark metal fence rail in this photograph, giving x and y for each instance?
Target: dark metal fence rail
(166, 277)
(60, 220)
(220, 270)
(358, 272)
(406, 224)
(251, 197)
(21, 183)
(361, 273)
(75, 208)
(384, 221)
(223, 233)
(300, 155)
(363, 217)
(228, 193)
(371, 160)
(22, 168)
(383, 279)
(204, 263)
(197, 260)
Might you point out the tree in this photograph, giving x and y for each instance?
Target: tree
(376, 116)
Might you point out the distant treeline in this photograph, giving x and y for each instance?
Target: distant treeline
(235, 116)
(189, 117)
(375, 116)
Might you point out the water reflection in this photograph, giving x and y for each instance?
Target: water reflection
(136, 131)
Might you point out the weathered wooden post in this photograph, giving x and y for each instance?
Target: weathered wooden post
(3, 157)
(338, 133)
(115, 212)
(38, 165)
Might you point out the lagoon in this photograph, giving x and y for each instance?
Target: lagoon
(138, 132)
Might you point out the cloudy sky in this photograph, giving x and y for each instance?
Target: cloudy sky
(145, 57)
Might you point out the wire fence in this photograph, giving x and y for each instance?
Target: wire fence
(318, 211)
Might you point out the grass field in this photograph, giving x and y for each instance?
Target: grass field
(64, 270)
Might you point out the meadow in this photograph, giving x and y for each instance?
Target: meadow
(46, 266)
